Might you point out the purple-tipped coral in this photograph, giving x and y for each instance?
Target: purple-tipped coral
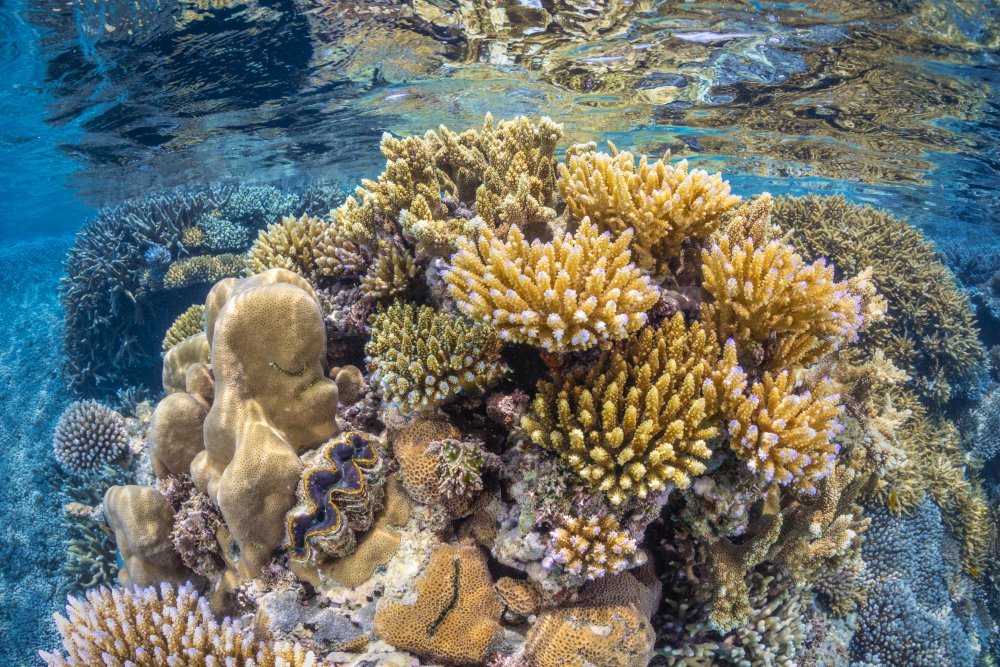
(88, 435)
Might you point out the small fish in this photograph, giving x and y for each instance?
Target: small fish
(893, 502)
(707, 37)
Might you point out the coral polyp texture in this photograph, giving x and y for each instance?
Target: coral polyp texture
(640, 418)
(422, 359)
(161, 626)
(496, 410)
(88, 435)
(663, 204)
(578, 291)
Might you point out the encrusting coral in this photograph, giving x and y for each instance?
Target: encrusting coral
(188, 323)
(161, 626)
(575, 292)
(88, 435)
(639, 418)
(422, 359)
(664, 205)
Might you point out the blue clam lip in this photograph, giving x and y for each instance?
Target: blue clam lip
(332, 487)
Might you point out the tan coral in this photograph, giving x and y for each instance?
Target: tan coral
(420, 470)
(610, 636)
(592, 547)
(520, 596)
(288, 245)
(176, 432)
(576, 292)
(272, 403)
(664, 204)
(638, 418)
(390, 273)
(202, 269)
(188, 323)
(350, 383)
(142, 519)
(191, 351)
(454, 617)
(341, 251)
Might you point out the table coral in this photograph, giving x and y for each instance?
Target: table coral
(88, 435)
(272, 402)
(150, 626)
(188, 323)
(664, 204)
(641, 417)
(422, 358)
(454, 618)
(929, 330)
(339, 494)
(576, 292)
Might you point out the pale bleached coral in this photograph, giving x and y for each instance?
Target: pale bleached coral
(150, 626)
(188, 323)
(576, 292)
(640, 418)
(88, 435)
(422, 359)
(664, 204)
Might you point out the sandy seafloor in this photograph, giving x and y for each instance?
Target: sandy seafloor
(32, 395)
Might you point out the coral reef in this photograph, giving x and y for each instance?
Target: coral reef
(201, 270)
(146, 626)
(578, 636)
(592, 548)
(422, 359)
(390, 274)
(287, 245)
(928, 330)
(89, 435)
(576, 292)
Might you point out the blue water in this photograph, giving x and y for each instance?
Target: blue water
(105, 100)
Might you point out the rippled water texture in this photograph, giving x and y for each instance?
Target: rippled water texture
(894, 102)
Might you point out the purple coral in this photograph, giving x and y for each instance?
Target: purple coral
(89, 435)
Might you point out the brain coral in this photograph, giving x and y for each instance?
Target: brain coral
(576, 292)
(928, 330)
(337, 496)
(272, 402)
(89, 435)
(639, 417)
(422, 358)
(454, 617)
(664, 205)
(150, 626)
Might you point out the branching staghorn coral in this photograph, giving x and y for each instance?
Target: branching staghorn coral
(188, 323)
(766, 298)
(592, 548)
(150, 626)
(663, 204)
(576, 292)
(929, 330)
(783, 431)
(422, 359)
(641, 416)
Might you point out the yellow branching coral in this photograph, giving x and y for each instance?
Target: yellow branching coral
(576, 292)
(641, 416)
(161, 627)
(783, 431)
(766, 296)
(664, 204)
(188, 323)
(341, 251)
(592, 547)
(390, 274)
(288, 244)
(929, 329)
(421, 358)
(202, 269)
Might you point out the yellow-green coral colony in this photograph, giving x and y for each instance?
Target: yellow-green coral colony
(421, 359)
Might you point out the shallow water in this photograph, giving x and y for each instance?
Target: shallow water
(894, 104)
